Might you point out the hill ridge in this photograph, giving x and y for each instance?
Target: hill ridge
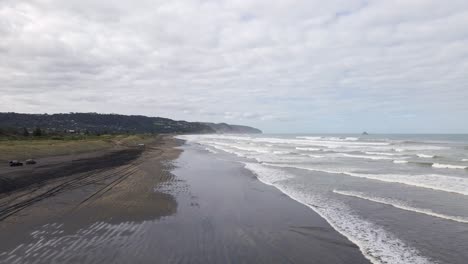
(112, 123)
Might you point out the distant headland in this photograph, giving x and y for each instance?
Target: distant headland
(110, 123)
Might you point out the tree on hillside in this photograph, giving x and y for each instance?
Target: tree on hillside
(37, 132)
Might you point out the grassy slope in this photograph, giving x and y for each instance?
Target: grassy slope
(21, 149)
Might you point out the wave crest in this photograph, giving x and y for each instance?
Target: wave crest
(448, 166)
(402, 205)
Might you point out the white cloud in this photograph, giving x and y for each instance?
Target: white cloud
(280, 65)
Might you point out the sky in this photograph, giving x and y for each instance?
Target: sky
(308, 66)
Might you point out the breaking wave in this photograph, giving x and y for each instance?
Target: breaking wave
(425, 156)
(366, 157)
(308, 149)
(402, 205)
(448, 166)
(431, 181)
(377, 245)
(382, 153)
(316, 156)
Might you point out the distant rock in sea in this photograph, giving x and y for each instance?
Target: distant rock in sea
(365, 133)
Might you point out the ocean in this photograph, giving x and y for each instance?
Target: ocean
(399, 198)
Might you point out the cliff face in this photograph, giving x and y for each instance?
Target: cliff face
(112, 123)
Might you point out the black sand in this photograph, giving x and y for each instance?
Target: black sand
(205, 210)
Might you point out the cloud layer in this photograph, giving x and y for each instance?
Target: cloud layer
(284, 66)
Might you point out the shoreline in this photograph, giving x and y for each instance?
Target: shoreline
(388, 211)
(174, 203)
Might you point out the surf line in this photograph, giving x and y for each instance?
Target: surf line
(402, 205)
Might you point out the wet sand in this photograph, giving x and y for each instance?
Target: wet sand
(167, 205)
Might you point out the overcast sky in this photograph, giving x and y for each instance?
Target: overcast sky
(282, 66)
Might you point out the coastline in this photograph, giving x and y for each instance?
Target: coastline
(173, 204)
(385, 209)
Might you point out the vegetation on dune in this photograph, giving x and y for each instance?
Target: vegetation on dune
(41, 146)
(25, 136)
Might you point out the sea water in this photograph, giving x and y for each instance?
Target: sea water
(399, 198)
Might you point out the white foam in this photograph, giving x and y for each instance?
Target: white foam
(330, 138)
(281, 152)
(239, 147)
(312, 138)
(400, 161)
(381, 153)
(308, 149)
(366, 157)
(211, 150)
(376, 244)
(323, 142)
(239, 154)
(316, 156)
(448, 166)
(267, 175)
(260, 156)
(402, 205)
(419, 148)
(425, 147)
(346, 143)
(464, 160)
(425, 156)
(431, 181)
(313, 143)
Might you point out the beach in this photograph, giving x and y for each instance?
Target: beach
(398, 198)
(170, 202)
